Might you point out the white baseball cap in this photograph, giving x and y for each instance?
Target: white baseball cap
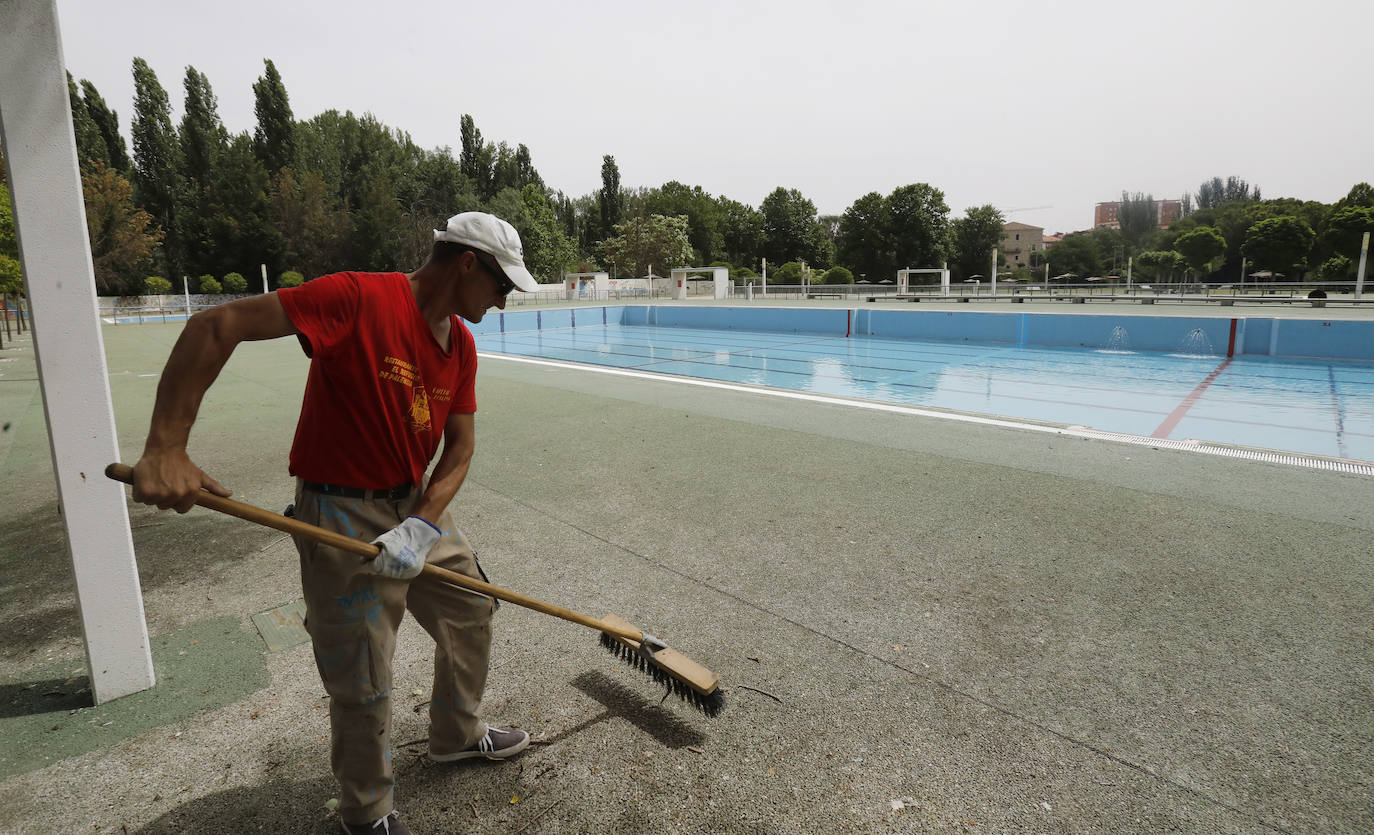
(495, 237)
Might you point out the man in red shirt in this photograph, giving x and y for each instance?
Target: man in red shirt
(392, 371)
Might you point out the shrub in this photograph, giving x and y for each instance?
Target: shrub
(209, 285)
(290, 278)
(789, 273)
(235, 283)
(1336, 268)
(839, 275)
(744, 272)
(157, 285)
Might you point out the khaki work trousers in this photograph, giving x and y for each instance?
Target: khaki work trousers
(352, 616)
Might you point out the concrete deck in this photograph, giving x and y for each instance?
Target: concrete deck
(1004, 631)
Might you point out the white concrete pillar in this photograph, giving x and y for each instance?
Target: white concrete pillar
(50, 219)
(1364, 259)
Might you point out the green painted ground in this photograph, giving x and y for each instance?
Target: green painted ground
(46, 713)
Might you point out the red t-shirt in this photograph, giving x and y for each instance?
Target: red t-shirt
(380, 387)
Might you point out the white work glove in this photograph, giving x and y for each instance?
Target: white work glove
(404, 548)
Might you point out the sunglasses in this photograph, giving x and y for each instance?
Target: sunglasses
(503, 284)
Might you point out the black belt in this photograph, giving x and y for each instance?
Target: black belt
(394, 494)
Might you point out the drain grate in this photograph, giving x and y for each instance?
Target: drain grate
(1227, 452)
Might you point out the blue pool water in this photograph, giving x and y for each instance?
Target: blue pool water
(1317, 406)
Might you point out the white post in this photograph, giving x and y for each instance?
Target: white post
(50, 222)
(763, 286)
(1129, 263)
(1242, 276)
(264, 279)
(994, 271)
(1364, 258)
(186, 288)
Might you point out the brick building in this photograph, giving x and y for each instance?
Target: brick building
(1166, 211)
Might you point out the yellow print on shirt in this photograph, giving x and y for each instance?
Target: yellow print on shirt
(419, 411)
(399, 371)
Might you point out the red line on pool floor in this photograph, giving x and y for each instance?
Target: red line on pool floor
(1182, 409)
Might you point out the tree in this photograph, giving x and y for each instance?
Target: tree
(839, 275)
(122, 236)
(1214, 192)
(309, 220)
(11, 276)
(1279, 244)
(90, 143)
(1361, 194)
(235, 284)
(156, 163)
(920, 226)
(703, 213)
(203, 136)
(548, 252)
(1076, 255)
(475, 159)
(9, 243)
(1139, 217)
(974, 237)
(1161, 264)
(863, 242)
(240, 228)
(610, 199)
(274, 138)
(641, 243)
(1345, 228)
(789, 226)
(290, 279)
(1200, 247)
(208, 285)
(1336, 268)
(741, 232)
(156, 285)
(107, 121)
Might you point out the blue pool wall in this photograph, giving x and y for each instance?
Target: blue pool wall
(1263, 336)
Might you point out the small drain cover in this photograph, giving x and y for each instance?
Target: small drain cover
(283, 627)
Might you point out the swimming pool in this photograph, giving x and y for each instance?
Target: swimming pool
(1196, 384)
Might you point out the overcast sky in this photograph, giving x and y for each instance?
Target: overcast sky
(1041, 109)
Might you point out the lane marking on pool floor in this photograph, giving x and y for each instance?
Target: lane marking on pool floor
(1291, 459)
(1182, 409)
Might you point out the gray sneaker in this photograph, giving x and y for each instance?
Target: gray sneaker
(388, 825)
(495, 744)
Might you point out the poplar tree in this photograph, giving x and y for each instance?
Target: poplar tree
(476, 159)
(610, 198)
(156, 158)
(107, 121)
(274, 138)
(203, 137)
(90, 144)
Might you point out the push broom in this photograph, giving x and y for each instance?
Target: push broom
(680, 675)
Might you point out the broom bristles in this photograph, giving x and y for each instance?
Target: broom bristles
(710, 703)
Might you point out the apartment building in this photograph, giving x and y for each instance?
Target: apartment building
(1166, 212)
(1019, 240)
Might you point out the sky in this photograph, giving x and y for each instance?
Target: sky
(1041, 109)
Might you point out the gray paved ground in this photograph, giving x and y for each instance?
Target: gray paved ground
(1007, 631)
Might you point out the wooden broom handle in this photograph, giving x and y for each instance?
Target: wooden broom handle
(295, 527)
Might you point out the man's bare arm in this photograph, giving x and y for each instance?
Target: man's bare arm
(452, 468)
(165, 476)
